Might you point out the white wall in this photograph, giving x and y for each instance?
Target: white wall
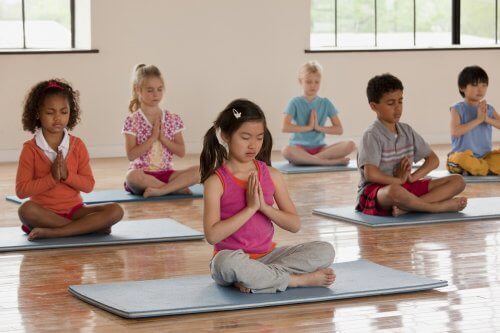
(214, 51)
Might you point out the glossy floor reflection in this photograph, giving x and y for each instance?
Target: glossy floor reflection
(33, 284)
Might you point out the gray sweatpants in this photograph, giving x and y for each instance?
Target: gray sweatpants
(271, 272)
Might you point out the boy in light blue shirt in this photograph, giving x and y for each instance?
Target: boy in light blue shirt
(471, 127)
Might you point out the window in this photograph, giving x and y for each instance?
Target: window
(403, 23)
(44, 24)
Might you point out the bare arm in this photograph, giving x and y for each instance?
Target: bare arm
(457, 129)
(374, 175)
(431, 162)
(494, 121)
(288, 127)
(335, 128)
(135, 150)
(285, 216)
(214, 228)
(176, 146)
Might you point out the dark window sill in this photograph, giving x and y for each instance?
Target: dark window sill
(401, 49)
(46, 51)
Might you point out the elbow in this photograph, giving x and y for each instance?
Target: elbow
(340, 131)
(130, 157)
(295, 226)
(182, 153)
(210, 239)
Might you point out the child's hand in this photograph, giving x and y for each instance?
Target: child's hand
(253, 200)
(63, 168)
(403, 170)
(155, 134)
(55, 170)
(482, 111)
(263, 204)
(312, 120)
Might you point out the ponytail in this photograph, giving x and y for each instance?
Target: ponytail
(212, 155)
(139, 73)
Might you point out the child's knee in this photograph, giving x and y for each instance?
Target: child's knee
(27, 211)
(395, 193)
(195, 172)
(285, 151)
(350, 146)
(115, 212)
(458, 181)
(226, 260)
(326, 253)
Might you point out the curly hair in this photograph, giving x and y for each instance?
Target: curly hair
(36, 97)
(380, 85)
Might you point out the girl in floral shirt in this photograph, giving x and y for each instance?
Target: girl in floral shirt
(152, 137)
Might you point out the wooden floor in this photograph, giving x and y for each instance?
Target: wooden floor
(33, 284)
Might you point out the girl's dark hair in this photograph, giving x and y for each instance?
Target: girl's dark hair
(36, 97)
(471, 75)
(214, 153)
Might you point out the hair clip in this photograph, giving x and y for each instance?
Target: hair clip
(236, 114)
(54, 84)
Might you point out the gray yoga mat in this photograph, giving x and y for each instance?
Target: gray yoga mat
(468, 179)
(124, 232)
(195, 294)
(288, 168)
(124, 196)
(477, 209)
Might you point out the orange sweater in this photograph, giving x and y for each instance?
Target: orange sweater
(34, 178)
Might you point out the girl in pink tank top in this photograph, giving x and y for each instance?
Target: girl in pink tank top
(240, 193)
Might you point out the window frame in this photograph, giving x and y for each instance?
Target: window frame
(72, 49)
(455, 35)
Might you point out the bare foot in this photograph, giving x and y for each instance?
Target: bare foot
(339, 161)
(320, 278)
(396, 211)
(39, 233)
(105, 231)
(452, 205)
(184, 190)
(153, 192)
(242, 288)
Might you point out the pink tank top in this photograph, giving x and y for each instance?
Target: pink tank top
(256, 235)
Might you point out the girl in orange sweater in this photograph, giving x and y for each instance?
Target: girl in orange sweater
(54, 167)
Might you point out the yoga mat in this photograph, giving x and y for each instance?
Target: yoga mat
(468, 179)
(195, 294)
(477, 209)
(124, 232)
(288, 168)
(124, 196)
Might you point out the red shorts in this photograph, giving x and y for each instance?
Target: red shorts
(162, 176)
(312, 150)
(367, 202)
(69, 215)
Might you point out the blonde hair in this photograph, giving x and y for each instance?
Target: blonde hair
(140, 73)
(310, 67)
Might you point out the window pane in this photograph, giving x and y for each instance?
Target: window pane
(48, 24)
(356, 23)
(395, 23)
(477, 22)
(433, 22)
(11, 24)
(322, 23)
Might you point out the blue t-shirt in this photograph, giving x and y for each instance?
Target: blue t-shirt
(479, 138)
(300, 110)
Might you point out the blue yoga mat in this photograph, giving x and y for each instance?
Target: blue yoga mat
(467, 179)
(124, 232)
(124, 196)
(288, 168)
(195, 294)
(477, 209)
